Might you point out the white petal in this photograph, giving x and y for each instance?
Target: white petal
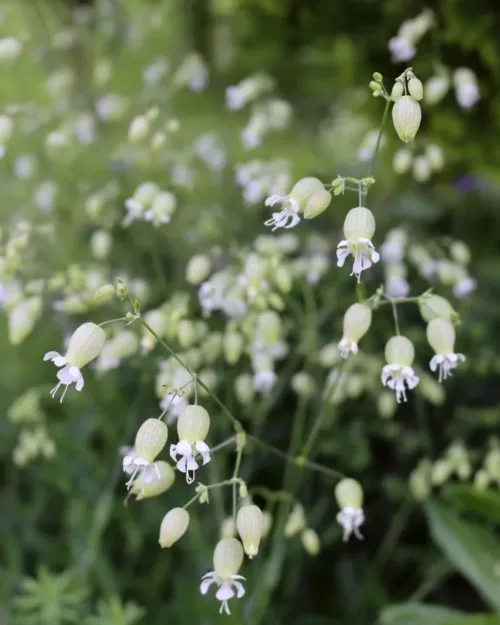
(225, 592)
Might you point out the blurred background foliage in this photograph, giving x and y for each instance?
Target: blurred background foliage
(70, 551)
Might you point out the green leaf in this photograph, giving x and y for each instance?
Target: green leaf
(476, 619)
(471, 499)
(474, 551)
(419, 614)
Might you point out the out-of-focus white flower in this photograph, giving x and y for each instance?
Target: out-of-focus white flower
(10, 48)
(359, 228)
(464, 287)
(110, 107)
(210, 149)
(349, 496)
(154, 72)
(441, 337)
(398, 372)
(357, 321)
(367, 148)
(150, 439)
(238, 96)
(140, 202)
(44, 197)
(437, 87)
(25, 166)
(466, 88)
(392, 249)
(192, 73)
(401, 49)
(162, 208)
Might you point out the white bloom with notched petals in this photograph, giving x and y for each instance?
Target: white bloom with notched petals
(293, 204)
(227, 560)
(151, 438)
(441, 337)
(349, 496)
(193, 424)
(359, 228)
(398, 374)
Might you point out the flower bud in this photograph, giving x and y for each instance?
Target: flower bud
(460, 252)
(296, 521)
(441, 471)
(173, 526)
(138, 129)
(349, 494)
(228, 528)
(415, 88)
(269, 326)
(402, 161)
(303, 384)
(420, 485)
(436, 88)
(357, 321)
(150, 439)
(434, 155)
(193, 424)
(249, 522)
(377, 77)
(399, 350)
(358, 224)
(441, 335)
(267, 522)
(85, 344)
(406, 117)
(100, 244)
(244, 389)
(386, 404)
(233, 347)
(310, 542)
(397, 90)
(105, 292)
(304, 189)
(317, 203)
(481, 479)
(143, 489)
(6, 128)
(421, 169)
(185, 333)
(197, 269)
(228, 557)
(436, 307)
(329, 355)
(22, 319)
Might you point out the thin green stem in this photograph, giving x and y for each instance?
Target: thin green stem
(220, 446)
(103, 323)
(236, 471)
(195, 498)
(379, 139)
(394, 532)
(395, 315)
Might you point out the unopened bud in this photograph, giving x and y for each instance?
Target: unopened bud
(233, 347)
(310, 541)
(460, 252)
(317, 203)
(296, 521)
(399, 350)
(406, 117)
(377, 76)
(150, 439)
(193, 423)
(304, 189)
(434, 155)
(397, 90)
(143, 489)
(173, 526)
(244, 389)
(421, 169)
(198, 269)
(228, 557)
(441, 471)
(436, 88)
(415, 88)
(249, 522)
(85, 344)
(435, 307)
(105, 292)
(402, 161)
(185, 333)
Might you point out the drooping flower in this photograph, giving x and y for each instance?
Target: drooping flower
(174, 526)
(84, 346)
(227, 560)
(441, 337)
(163, 478)
(398, 372)
(293, 204)
(250, 522)
(349, 496)
(150, 439)
(357, 320)
(359, 228)
(192, 427)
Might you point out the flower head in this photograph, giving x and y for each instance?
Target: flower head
(398, 372)
(441, 337)
(294, 203)
(84, 346)
(228, 558)
(359, 227)
(192, 427)
(357, 320)
(349, 496)
(150, 439)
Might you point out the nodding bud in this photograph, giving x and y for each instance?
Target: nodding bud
(228, 528)
(435, 156)
(143, 489)
(104, 292)
(436, 88)
(359, 224)
(296, 522)
(310, 541)
(150, 439)
(436, 307)
(460, 252)
(421, 169)
(415, 88)
(173, 526)
(85, 344)
(406, 117)
(349, 494)
(400, 351)
(244, 389)
(193, 424)
(357, 321)
(185, 333)
(198, 268)
(441, 336)
(317, 203)
(233, 347)
(397, 90)
(250, 523)
(402, 160)
(304, 189)
(228, 557)
(269, 326)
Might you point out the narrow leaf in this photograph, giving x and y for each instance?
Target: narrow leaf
(419, 614)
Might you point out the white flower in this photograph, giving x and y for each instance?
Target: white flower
(395, 376)
(357, 321)
(228, 588)
(133, 464)
(173, 404)
(441, 337)
(349, 496)
(359, 227)
(84, 346)
(464, 287)
(401, 49)
(398, 373)
(149, 441)
(187, 452)
(396, 286)
(288, 216)
(263, 381)
(351, 520)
